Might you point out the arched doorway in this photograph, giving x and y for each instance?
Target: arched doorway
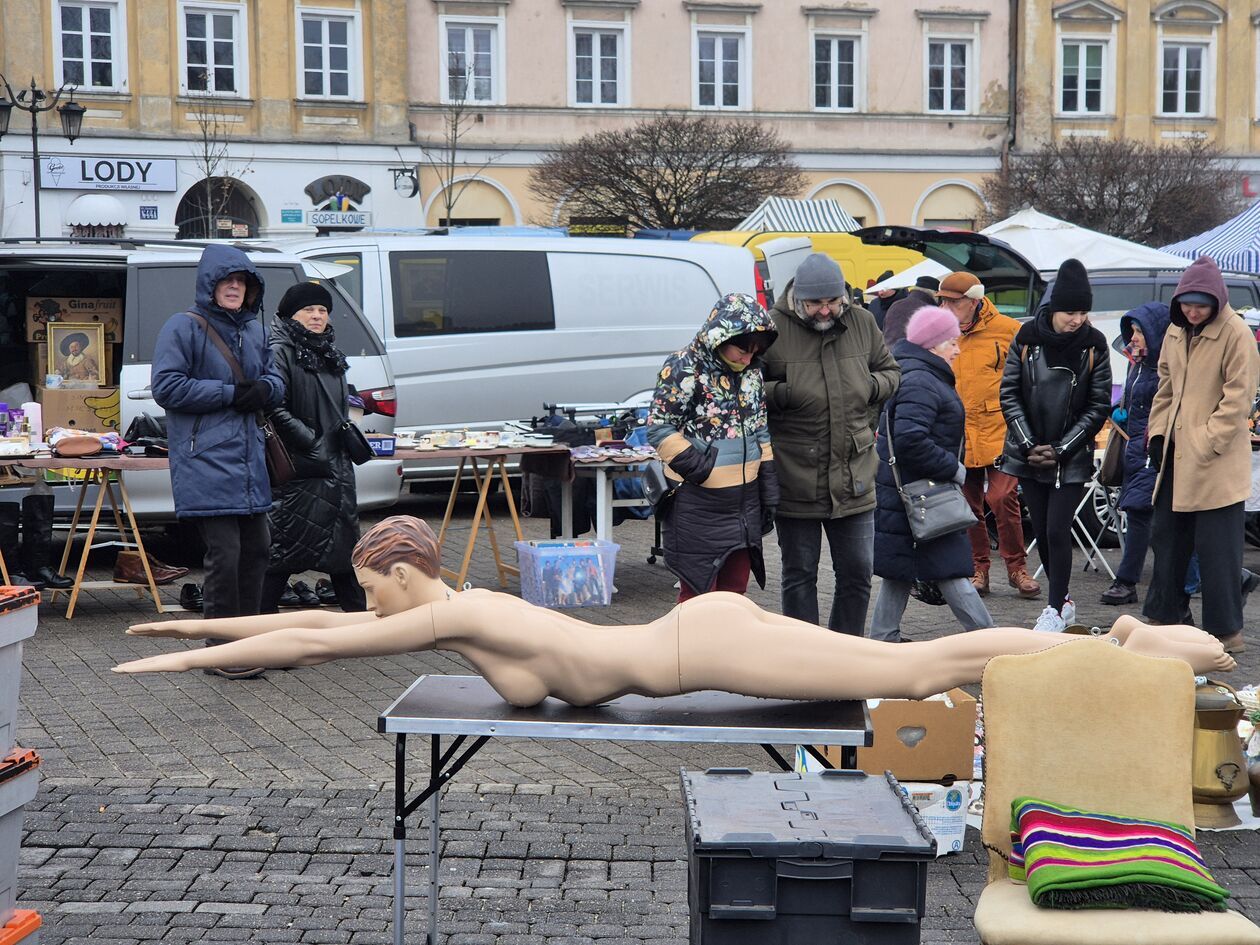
(857, 199)
(952, 204)
(479, 201)
(217, 208)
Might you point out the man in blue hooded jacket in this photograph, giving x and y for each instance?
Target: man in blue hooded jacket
(218, 467)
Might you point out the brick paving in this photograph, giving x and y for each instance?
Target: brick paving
(188, 808)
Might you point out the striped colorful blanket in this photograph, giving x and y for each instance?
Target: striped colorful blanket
(1076, 859)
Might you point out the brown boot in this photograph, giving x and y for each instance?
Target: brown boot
(1022, 581)
(980, 581)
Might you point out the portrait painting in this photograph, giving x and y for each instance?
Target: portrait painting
(76, 351)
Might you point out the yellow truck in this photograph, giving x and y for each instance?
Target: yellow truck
(861, 262)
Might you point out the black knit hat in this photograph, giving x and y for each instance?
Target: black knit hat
(1071, 292)
(301, 295)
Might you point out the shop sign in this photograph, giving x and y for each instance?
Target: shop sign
(71, 172)
(338, 218)
(148, 213)
(290, 216)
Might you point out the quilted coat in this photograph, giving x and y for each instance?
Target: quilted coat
(1140, 383)
(926, 417)
(315, 521)
(708, 424)
(217, 461)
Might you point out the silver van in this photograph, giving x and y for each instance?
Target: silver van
(155, 280)
(484, 329)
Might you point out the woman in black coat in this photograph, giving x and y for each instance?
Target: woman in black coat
(315, 519)
(1055, 395)
(924, 422)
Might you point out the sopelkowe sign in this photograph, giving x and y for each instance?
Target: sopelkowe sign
(79, 172)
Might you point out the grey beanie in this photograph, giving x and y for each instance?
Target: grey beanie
(819, 277)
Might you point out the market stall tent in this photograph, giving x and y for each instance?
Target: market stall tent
(1234, 245)
(799, 216)
(1046, 241)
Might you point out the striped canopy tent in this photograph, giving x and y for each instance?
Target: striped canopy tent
(784, 215)
(1234, 245)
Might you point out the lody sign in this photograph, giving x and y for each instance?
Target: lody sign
(72, 172)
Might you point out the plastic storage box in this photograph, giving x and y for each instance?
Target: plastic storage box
(19, 615)
(567, 573)
(14, 793)
(23, 929)
(838, 856)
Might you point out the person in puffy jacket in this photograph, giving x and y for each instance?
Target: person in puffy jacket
(218, 467)
(1055, 396)
(1198, 443)
(924, 424)
(708, 425)
(1143, 331)
(315, 521)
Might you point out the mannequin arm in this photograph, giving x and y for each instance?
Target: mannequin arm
(409, 631)
(238, 628)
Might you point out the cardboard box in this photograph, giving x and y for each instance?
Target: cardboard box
(920, 739)
(944, 810)
(42, 309)
(89, 409)
(382, 443)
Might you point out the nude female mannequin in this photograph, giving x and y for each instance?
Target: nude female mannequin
(527, 653)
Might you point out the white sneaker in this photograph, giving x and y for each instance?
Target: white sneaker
(1068, 613)
(1050, 621)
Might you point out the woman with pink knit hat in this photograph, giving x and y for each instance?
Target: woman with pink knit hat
(924, 422)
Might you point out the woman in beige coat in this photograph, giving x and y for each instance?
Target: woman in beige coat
(1197, 439)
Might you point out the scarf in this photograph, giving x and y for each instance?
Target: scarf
(1062, 348)
(315, 353)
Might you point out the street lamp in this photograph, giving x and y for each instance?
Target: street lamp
(36, 100)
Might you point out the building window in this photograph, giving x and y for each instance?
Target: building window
(90, 45)
(214, 51)
(1183, 79)
(597, 66)
(948, 74)
(1081, 78)
(329, 56)
(473, 62)
(721, 70)
(836, 68)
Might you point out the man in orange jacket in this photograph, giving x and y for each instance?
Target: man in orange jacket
(986, 337)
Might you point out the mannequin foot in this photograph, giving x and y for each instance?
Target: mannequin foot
(1203, 657)
(1126, 624)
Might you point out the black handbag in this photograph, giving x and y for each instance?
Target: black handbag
(933, 509)
(352, 439)
(279, 463)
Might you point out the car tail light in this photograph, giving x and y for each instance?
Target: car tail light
(382, 400)
(760, 282)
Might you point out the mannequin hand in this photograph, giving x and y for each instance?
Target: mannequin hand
(177, 629)
(166, 663)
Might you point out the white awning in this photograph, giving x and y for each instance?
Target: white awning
(96, 210)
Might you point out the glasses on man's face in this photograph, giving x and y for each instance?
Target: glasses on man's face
(817, 305)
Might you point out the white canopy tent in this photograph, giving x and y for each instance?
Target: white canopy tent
(1046, 241)
(782, 214)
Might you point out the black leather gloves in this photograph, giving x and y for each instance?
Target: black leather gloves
(694, 465)
(1155, 452)
(1043, 456)
(250, 396)
(767, 518)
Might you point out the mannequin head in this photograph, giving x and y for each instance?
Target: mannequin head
(398, 563)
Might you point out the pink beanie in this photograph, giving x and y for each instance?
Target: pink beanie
(930, 326)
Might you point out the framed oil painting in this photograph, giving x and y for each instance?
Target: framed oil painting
(76, 351)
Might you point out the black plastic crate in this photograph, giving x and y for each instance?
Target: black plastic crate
(778, 859)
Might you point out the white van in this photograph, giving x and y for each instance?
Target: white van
(483, 329)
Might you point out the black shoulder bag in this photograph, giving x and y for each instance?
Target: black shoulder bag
(352, 439)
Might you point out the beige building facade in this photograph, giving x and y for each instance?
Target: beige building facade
(897, 110)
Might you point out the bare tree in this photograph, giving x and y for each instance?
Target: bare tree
(211, 151)
(671, 172)
(1136, 191)
(458, 115)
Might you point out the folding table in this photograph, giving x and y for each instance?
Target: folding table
(466, 706)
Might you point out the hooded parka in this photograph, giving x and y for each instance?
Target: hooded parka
(708, 425)
(926, 418)
(823, 394)
(1207, 384)
(315, 522)
(983, 347)
(1137, 490)
(216, 452)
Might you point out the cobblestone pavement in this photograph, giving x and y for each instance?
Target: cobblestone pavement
(189, 808)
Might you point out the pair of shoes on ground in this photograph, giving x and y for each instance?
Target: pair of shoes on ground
(1056, 621)
(129, 569)
(299, 594)
(190, 597)
(1019, 579)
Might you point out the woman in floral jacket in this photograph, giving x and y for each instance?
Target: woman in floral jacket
(708, 424)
